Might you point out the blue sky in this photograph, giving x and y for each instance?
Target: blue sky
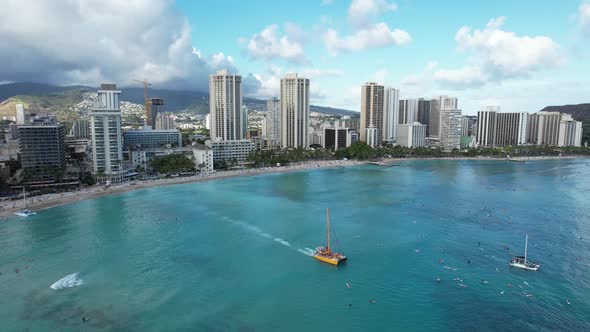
(521, 55)
(432, 26)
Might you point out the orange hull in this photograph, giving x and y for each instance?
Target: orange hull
(329, 260)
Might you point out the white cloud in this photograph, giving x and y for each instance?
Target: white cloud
(220, 60)
(94, 41)
(463, 77)
(498, 55)
(361, 12)
(268, 45)
(315, 72)
(584, 17)
(378, 35)
(419, 85)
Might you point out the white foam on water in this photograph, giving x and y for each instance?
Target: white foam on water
(68, 281)
(307, 251)
(281, 241)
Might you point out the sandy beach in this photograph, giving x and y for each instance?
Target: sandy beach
(41, 202)
(36, 203)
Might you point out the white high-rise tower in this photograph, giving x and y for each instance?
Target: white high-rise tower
(390, 115)
(105, 128)
(294, 111)
(225, 107)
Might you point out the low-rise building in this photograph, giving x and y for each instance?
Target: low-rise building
(230, 151)
(411, 135)
(372, 136)
(203, 159)
(147, 138)
(336, 138)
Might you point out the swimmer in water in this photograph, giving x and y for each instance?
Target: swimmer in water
(372, 301)
(348, 285)
(437, 279)
(568, 301)
(85, 319)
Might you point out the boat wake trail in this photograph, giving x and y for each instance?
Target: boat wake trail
(68, 281)
(307, 251)
(261, 233)
(281, 241)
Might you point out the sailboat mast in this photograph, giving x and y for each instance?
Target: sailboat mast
(526, 247)
(328, 226)
(24, 198)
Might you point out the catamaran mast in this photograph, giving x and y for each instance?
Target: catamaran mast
(24, 198)
(328, 226)
(526, 245)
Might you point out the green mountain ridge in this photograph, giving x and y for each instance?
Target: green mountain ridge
(58, 98)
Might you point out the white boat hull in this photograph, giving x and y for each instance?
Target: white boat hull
(25, 213)
(525, 267)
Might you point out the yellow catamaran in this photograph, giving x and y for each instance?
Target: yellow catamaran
(325, 254)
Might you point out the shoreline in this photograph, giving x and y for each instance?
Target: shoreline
(53, 200)
(42, 202)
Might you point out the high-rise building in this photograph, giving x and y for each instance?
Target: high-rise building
(434, 126)
(80, 129)
(423, 115)
(544, 128)
(105, 130)
(510, 129)
(208, 121)
(294, 111)
(448, 103)
(468, 123)
(372, 109)
(42, 151)
(411, 135)
(450, 129)
(390, 114)
(165, 122)
(408, 111)
(437, 105)
(570, 132)
(464, 126)
(486, 128)
(225, 107)
(20, 114)
(153, 106)
(245, 111)
(501, 129)
(273, 119)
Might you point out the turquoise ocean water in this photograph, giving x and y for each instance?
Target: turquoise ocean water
(232, 255)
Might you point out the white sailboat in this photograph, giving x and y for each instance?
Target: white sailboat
(521, 262)
(25, 212)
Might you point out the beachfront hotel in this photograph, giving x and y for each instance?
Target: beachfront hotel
(372, 108)
(229, 151)
(294, 111)
(450, 129)
(105, 129)
(411, 135)
(146, 137)
(390, 114)
(42, 150)
(225, 107)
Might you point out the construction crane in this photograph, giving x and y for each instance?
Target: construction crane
(145, 87)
